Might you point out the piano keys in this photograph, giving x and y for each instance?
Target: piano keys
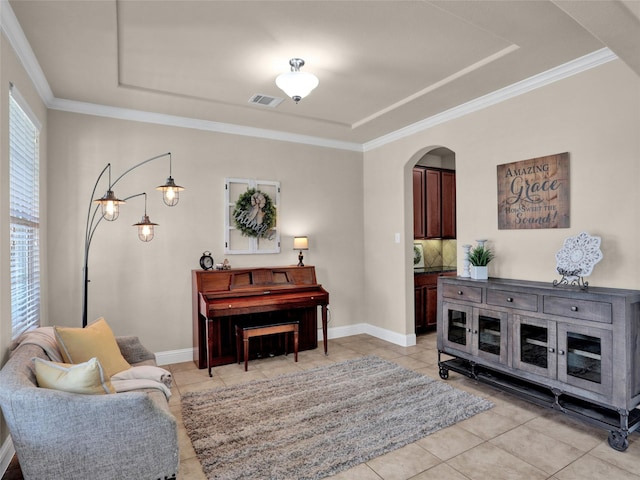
(223, 299)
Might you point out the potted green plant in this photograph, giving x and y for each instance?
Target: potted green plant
(479, 258)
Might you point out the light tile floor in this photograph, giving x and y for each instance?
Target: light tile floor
(514, 440)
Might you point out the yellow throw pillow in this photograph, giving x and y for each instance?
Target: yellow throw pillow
(87, 377)
(78, 345)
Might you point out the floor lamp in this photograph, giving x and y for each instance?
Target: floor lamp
(109, 207)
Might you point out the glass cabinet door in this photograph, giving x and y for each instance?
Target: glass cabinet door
(476, 331)
(457, 323)
(535, 346)
(491, 335)
(584, 357)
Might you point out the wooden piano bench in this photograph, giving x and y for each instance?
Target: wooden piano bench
(257, 331)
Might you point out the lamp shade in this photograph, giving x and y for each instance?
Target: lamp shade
(170, 192)
(145, 228)
(297, 84)
(300, 243)
(110, 205)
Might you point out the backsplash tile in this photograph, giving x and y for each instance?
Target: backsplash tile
(449, 252)
(432, 253)
(439, 253)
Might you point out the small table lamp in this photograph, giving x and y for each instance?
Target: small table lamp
(300, 243)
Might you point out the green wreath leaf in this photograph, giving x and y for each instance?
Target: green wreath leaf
(251, 219)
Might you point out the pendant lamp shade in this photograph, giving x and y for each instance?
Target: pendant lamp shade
(110, 205)
(297, 84)
(170, 192)
(145, 228)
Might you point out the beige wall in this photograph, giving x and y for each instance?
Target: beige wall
(11, 71)
(145, 289)
(595, 116)
(326, 193)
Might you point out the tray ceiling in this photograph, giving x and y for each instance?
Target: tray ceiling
(382, 65)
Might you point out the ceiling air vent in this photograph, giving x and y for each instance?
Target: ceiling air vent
(265, 100)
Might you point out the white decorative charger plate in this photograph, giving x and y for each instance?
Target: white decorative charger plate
(578, 255)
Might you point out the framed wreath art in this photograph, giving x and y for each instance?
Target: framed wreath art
(251, 216)
(255, 214)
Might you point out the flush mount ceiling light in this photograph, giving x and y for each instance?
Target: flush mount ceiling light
(297, 84)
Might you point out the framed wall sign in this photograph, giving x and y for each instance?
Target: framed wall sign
(534, 193)
(251, 216)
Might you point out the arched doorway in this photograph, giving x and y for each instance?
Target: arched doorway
(434, 216)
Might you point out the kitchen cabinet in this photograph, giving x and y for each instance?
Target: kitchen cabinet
(426, 299)
(561, 347)
(419, 202)
(434, 203)
(448, 204)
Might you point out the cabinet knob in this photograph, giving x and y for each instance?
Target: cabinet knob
(574, 309)
(475, 332)
(551, 349)
(459, 292)
(560, 352)
(509, 299)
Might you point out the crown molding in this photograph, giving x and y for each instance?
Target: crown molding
(17, 39)
(14, 33)
(568, 69)
(196, 124)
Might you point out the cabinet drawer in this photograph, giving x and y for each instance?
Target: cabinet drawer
(423, 279)
(582, 309)
(463, 292)
(521, 301)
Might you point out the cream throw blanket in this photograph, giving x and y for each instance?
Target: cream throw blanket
(144, 376)
(45, 338)
(134, 378)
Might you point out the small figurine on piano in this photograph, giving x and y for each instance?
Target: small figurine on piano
(223, 266)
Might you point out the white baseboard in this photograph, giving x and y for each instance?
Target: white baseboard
(186, 354)
(393, 337)
(174, 356)
(6, 454)
(347, 331)
(381, 333)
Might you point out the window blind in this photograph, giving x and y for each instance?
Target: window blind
(24, 206)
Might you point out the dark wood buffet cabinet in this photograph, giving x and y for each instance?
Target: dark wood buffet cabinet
(434, 203)
(575, 351)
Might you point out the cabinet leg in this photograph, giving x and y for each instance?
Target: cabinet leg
(618, 441)
(618, 438)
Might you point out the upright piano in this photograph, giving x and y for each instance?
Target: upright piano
(223, 299)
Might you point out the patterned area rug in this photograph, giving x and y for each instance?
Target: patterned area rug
(319, 422)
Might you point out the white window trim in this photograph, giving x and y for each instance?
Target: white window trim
(33, 268)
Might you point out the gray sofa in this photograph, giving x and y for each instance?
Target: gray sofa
(59, 435)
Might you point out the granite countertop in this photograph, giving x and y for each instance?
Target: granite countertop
(441, 269)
